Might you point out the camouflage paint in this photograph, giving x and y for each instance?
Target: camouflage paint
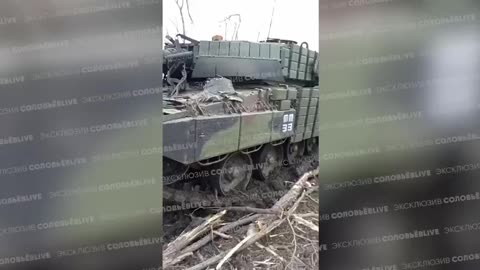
(255, 129)
(216, 135)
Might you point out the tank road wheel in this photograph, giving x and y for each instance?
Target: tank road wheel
(309, 146)
(316, 148)
(234, 171)
(173, 172)
(293, 151)
(267, 160)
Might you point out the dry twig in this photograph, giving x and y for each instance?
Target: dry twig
(172, 253)
(306, 223)
(269, 250)
(294, 242)
(252, 210)
(226, 236)
(233, 250)
(296, 194)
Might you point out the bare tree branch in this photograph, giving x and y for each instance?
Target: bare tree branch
(265, 222)
(234, 31)
(178, 3)
(176, 25)
(180, 9)
(236, 26)
(188, 12)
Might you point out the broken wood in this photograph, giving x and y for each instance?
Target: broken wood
(226, 236)
(305, 222)
(269, 250)
(292, 196)
(186, 238)
(232, 251)
(228, 227)
(252, 210)
(267, 222)
(172, 259)
(294, 191)
(251, 239)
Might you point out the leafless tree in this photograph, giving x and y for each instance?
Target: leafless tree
(180, 5)
(176, 25)
(180, 9)
(188, 11)
(236, 26)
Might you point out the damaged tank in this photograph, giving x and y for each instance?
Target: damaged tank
(235, 110)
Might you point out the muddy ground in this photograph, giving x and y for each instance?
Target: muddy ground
(281, 240)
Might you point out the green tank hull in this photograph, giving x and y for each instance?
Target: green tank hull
(223, 112)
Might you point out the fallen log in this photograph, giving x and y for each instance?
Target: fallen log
(294, 191)
(251, 239)
(294, 195)
(228, 227)
(173, 258)
(185, 239)
(233, 250)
